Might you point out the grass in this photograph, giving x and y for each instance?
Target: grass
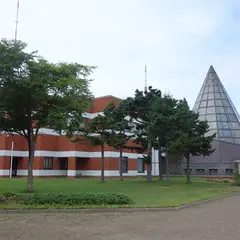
(155, 194)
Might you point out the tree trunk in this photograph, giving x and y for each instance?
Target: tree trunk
(188, 169)
(167, 169)
(31, 151)
(149, 165)
(160, 164)
(121, 165)
(102, 163)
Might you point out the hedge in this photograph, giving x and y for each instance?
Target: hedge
(6, 198)
(76, 199)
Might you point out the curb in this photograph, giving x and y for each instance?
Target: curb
(119, 210)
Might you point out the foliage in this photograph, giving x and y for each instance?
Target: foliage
(236, 173)
(35, 93)
(157, 194)
(120, 129)
(191, 136)
(139, 109)
(6, 198)
(76, 199)
(98, 134)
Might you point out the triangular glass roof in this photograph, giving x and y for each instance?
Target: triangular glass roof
(214, 105)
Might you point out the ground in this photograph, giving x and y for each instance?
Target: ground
(217, 220)
(156, 194)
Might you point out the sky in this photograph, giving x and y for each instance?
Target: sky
(177, 39)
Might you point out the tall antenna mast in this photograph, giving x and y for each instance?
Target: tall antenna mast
(145, 88)
(16, 28)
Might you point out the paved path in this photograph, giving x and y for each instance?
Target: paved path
(218, 220)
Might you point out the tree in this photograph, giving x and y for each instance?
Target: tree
(98, 134)
(120, 129)
(164, 127)
(35, 93)
(140, 111)
(192, 139)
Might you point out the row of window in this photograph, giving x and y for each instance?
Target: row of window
(210, 96)
(213, 171)
(212, 110)
(211, 88)
(48, 164)
(231, 118)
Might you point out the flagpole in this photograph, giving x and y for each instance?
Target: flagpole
(16, 27)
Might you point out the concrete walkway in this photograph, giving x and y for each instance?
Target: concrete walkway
(217, 220)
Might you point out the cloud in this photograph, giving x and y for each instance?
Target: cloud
(178, 40)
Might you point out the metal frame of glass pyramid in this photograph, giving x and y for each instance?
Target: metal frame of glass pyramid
(214, 105)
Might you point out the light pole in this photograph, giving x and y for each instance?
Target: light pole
(11, 160)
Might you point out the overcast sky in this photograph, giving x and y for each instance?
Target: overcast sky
(177, 39)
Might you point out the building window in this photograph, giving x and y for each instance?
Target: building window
(140, 165)
(125, 164)
(48, 163)
(185, 171)
(200, 171)
(213, 171)
(229, 171)
(63, 163)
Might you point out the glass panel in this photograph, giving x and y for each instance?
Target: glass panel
(221, 117)
(198, 98)
(225, 103)
(204, 97)
(212, 125)
(201, 118)
(229, 110)
(220, 89)
(223, 96)
(223, 125)
(205, 90)
(217, 95)
(219, 109)
(234, 125)
(210, 103)
(210, 110)
(211, 118)
(201, 91)
(210, 89)
(203, 104)
(210, 96)
(225, 133)
(219, 102)
(196, 106)
(236, 133)
(232, 118)
(216, 89)
(202, 111)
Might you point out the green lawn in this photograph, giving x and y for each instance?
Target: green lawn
(155, 194)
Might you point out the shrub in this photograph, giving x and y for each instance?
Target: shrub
(236, 182)
(6, 198)
(76, 199)
(236, 172)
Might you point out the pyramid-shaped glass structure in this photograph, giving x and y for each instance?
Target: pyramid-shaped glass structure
(214, 105)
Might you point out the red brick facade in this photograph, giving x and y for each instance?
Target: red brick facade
(57, 156)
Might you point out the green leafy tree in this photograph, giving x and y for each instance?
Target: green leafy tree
(35, 93)
(98, 134)
(120, 129)
(140, 110)
(164, 128)
(192, 139)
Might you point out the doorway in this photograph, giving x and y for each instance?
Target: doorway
(14, 166)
